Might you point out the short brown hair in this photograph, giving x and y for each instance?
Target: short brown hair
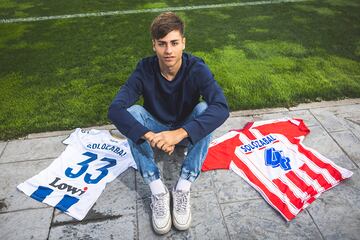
(165, 23)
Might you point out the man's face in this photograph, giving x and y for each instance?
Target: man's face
(169, 49)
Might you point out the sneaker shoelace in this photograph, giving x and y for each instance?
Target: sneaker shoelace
(181, 202)
(158, 205)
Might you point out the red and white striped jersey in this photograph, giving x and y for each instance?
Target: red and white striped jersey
(270, 156)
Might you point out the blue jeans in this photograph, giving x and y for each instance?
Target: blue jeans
(144, 155)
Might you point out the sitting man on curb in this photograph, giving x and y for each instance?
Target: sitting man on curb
(171, 83)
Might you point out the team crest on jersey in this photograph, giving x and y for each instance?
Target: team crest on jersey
(276, 158)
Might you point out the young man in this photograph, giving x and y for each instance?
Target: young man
(171, 83)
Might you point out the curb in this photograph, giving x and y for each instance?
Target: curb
(241, 113)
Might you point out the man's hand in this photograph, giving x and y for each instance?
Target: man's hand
(168, 149)
(150, 137)
(168, 138)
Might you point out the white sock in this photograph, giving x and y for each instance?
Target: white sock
(183, 185)
(157, 187)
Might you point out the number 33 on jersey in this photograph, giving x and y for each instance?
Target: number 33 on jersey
(74, 181)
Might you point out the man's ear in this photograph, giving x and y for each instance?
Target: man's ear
(184, 41)
(153, 45)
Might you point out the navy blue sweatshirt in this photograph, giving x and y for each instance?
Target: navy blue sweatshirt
(170, 102)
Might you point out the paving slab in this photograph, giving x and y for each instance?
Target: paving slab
(142, 189)
(224, 206)
(256, 219)
(329, 120)
(118, 198)
(207, 220)
(231, 187)
(11, 175)
(257, 111)
(350, 118)
(306, 115)
(2, 147)
(145, 226)
(66, 132)
(347, 110)
(203, 183)
(170, 167)
(353, 117)
(231, 124)
(28, 224)
(319, 140)
(349, 143)
(326, 104)
(33, 149)
(122, 227)
(49, 134)
(337, 211)
(346, 114)
(116, 133)
(353, 125)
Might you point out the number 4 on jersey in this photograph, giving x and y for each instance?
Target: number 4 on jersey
(275, 159)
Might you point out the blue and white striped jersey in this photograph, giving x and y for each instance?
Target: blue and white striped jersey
(73, 182)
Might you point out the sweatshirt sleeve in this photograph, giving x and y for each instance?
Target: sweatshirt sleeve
(128, 94)
(217, 111)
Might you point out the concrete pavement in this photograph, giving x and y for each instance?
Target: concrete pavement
(223, 205)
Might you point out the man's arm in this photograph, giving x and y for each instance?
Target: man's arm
(126, 97)
(217, 111)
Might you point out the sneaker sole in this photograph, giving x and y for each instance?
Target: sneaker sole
(180, 226)
(163, 230)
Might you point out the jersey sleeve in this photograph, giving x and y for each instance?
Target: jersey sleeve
(73, 138)
(220, 154)
(131, 157)
(291, 128)
(133, 165)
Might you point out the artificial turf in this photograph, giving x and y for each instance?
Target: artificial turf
(62, 74)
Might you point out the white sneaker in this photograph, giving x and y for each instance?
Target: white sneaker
(161, 217)
(181, 209)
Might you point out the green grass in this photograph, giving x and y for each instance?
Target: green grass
(63, 74)
(14, 9)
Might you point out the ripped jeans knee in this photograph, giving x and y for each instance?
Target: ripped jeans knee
(189, 175)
